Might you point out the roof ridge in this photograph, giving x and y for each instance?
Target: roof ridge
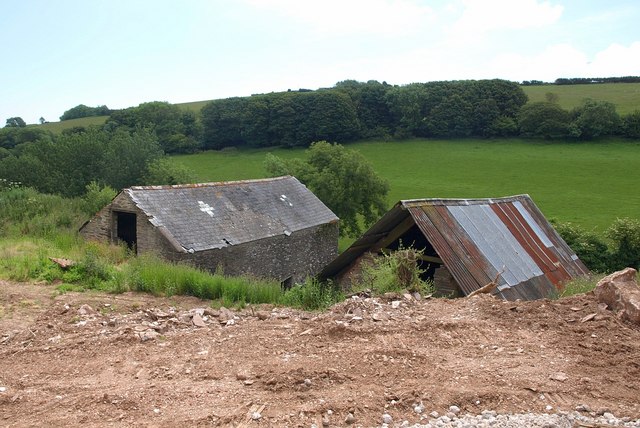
(413, 202)
(211, 184)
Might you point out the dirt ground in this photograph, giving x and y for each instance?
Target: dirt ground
(92, 359)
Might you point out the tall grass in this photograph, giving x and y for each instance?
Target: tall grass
(150, 274)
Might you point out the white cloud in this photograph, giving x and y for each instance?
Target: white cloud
(343, 17)
(488, 15)
(616, 60)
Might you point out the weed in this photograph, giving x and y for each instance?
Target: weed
(312, 295)
(579, 285)
(397, 271)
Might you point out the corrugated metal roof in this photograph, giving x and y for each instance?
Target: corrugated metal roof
(215, 215)
(479, 238)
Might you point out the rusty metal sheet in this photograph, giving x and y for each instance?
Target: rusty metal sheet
(565, 253)
(477, 238)
(497, 243)
(546, 260)
(554, 268)
(452, 260)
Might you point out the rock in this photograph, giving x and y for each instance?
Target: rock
(198, 321)
(559, 376)
(387, 419)
(418, 408)
(621, 293)
(434, 414)
(350, 419)
(255, 416)
(454, 409)
(211, 312)
(325, 421)
(583, 408)
(225, 315)
(149, 334)
(588, 317)
(379, 316)
(262, 315)
(86, 310)
(395, 304)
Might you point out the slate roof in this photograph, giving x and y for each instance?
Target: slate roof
(215, 215)
(477, 238)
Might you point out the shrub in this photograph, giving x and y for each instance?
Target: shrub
(312, 295)
(588, 246)
(96, 197)
(625, 236)
(397, 271)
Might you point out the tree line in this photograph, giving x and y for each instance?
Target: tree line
(134, 140)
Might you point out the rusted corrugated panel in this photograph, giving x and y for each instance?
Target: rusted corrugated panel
(535, 247)
(561, 269)
(456, 251)
(566, 256)
(495, 241)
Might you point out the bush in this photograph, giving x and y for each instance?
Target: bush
(312, 295)
(588, 246)
(96, 197)
(396, 272)
(625, 236)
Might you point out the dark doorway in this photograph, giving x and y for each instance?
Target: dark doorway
(126, 228)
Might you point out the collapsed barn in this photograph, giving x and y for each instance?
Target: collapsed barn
(271, 228)
(467, 244)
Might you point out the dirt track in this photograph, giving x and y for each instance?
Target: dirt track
(136, 360)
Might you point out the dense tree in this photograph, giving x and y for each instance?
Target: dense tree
(177, 131)
(631, 125)
(594, 119)
(543, 119)
(15, 122)
(82, 110)
(370, 102)
(65, 164)
(222, 121)
(11, 136)
(341, 178)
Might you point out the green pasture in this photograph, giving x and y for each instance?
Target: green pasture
(590, 184)
(626, 96)
(58, 127)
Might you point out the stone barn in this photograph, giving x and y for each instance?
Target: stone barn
(270, 228)
(469, 243)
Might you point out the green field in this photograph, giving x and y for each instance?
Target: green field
(58, 127)
(590, 184)
(626, 96)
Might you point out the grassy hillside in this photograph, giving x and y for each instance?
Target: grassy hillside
(626, 96)
(590, 184)
(58, 127)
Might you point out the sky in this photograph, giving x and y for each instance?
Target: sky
(120, 53)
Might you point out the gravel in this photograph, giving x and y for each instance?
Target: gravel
(491, 419)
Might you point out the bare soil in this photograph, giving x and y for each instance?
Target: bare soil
(93, 359)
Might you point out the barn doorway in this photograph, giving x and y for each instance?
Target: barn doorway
(126, 229)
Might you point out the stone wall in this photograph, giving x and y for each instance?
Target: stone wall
(102, 227)
(303, 253)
